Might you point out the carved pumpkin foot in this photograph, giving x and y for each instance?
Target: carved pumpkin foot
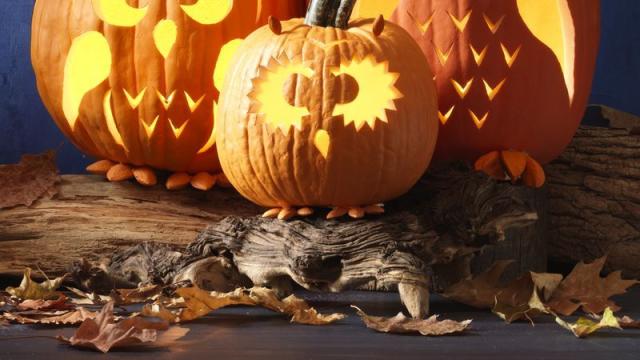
(116, 172)
(355, 212)
(203, 181)
(286, 213)
(514, 166)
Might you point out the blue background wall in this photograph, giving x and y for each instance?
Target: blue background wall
(25, 126)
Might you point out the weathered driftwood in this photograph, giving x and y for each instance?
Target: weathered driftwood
(594, 192)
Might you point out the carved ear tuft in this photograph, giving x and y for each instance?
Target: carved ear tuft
(378, 25)
(275, 25)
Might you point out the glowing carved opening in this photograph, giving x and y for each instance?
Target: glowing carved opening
(134, 102)
(118, 12)
(208, 12)
(224, 61)
(164, 35)
(111, 122)
(212, 137)
(423, 26)
(193, 105)
(442, 56)
(271, 103)
(322, 141)
(493, 26)
(151, 128)
(477, 120)
(444, 118)
(377, 92)
(462, 90)
(479, 57)
(551, 22)
(177, 130)
(461, 24)
(166, 101)
(88, 64)
(492, 92)
(510, 58)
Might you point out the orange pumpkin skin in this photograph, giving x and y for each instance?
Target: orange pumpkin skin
(365, 162)
(530, 101)
(174, 133)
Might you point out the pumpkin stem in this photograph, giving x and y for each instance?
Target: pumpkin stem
(322, 13)
(344, 13)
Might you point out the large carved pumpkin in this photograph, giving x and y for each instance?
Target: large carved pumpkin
(510, 74)
(135, 81)
(318, 115)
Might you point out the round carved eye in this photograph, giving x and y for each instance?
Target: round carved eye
(208, 12)
(118, 12)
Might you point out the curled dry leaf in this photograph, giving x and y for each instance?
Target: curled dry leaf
(32, 290)
(584, 287)
(524, 298)
(46, 305)
(585, 327)
(72, 317)
(103, 333)
(199, 303)
(401, 324)
(35, 176)
(479, 291)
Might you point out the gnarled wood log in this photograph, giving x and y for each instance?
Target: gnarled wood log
(594, 192)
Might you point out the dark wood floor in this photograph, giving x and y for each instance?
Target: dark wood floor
(244, 333)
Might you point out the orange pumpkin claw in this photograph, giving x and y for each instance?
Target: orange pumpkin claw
(534, 175)
(491, 165)
(203, 181)
(515, 163)
(286, 214)
(337, 213)
(374, 210)
(119, 172)
(356, 212)
(145, 176)
(306, 211)
(178, 181)
(100, 167)
(271, 213)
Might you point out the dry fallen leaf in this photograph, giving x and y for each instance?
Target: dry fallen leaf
(585, 327)
(31, 290)
(33, 177)
(479, 291)
(72, 317)
(46, 305)
(401, 324)
(511, 310)
(584, 287)
(103, 333)
(199, 303)
(629, 323)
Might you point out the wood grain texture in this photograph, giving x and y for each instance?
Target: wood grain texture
(594, 192)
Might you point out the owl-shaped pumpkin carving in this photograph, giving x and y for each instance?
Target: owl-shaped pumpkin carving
(325, 116)
(136, 81)
(511, 74)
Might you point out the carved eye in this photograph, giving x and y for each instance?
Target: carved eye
(208, 12)
(269, 97)
(118, 12)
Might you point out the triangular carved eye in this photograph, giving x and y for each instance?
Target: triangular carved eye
(208, 12)
(118, 12)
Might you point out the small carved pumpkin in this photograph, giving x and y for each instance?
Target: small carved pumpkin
(510, 74)
(313, 114)
(136, 81)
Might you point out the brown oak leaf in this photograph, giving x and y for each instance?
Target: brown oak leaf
(73, 317)
(401, 324)
(481, 290)
(629, 323)
(31, 290)
(44, 305)
(35, 176)
(584, 287)
(103, 333)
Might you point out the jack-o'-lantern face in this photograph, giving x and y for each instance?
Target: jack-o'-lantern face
(511, 74)
(138, 81)
(323, 116)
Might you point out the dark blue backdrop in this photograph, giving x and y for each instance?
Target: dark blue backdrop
(25, 126)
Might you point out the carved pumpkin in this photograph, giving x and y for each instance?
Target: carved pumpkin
(136, 82)
(510, 74)
(319, 115)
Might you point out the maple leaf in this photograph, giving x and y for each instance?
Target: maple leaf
(521, 298)
(31, 290)
(585, 327)
(199, 303)
(481, 290)
(401, 324)
(103, 333)
(73, 317)
(33, 177)
(584, 287)
(43, 305)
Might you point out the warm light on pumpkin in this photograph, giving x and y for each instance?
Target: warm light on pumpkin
(118, 12)
(164, 35)
(209, 12)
